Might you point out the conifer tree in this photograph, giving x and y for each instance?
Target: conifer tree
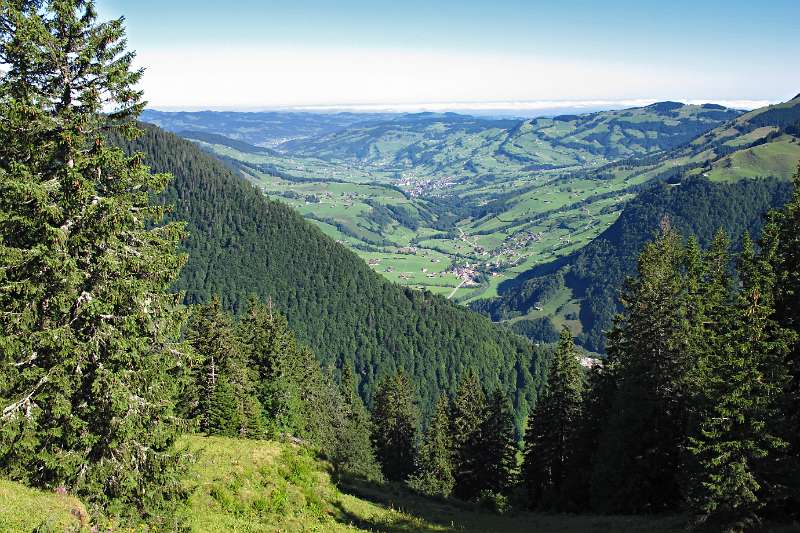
(496, 449)
(274, 354)
(434, 475)
(88, 332)
(552, 437)
(640, 452)
(598, 396)
(355, 452)
(740, 388)
(395, 419)
(227, 402)
(469, 410)
(786, 265)
(301, 399)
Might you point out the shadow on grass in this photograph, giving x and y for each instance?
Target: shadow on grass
(420, 513)
(398, 524)
(408, 511)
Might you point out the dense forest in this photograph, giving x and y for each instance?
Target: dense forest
(697, 206)
(241, 243)
(103, 366)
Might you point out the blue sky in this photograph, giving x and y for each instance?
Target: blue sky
(248, 53)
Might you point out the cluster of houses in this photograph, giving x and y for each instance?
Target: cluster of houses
(419, 187)
(467, 273)
(519, 241)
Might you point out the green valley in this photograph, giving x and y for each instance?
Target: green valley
(470, 207)
(314, 320)
(726, 178)
(456, 204)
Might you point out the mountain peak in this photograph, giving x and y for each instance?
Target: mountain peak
(665, 107)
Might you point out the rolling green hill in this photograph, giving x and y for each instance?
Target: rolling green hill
(465, 146)
(265, 128)
(241, 243)
(704, 185)
(763, 143)
(457, 204)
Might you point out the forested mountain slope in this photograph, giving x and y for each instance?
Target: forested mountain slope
(703, 185)
(697, 207)
(240, 243)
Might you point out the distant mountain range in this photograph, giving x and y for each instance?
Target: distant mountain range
(266, 128)
(727, 178)
(509, 214)
(463, 145)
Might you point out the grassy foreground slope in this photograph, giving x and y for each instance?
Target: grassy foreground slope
(24, 509)
(251, 486)
(260, 486)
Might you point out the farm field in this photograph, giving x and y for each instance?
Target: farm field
(549, 218)
(457, 205)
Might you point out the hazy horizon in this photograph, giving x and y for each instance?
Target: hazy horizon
(523, 109)
(360, 54)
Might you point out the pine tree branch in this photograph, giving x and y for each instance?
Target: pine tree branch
(12, 409)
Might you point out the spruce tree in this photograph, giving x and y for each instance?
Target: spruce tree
(225, 383)
(395, 419)
(469, 410)
(279, 363)
(638, 466)
(434, 475)
(598, 396)
(300, 399)
(496, 449)
(88, 331)
(786, 265)
(740, 388)
(355, 452)
(552, 437)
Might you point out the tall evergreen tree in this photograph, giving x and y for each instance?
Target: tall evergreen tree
(300, 398)
(88, 332)
(225, 382)
(496, 448)
(396, 417)
(740, 388)
(469, 410)
(640, 453)
(434, 475)
(355, 451)
(552, 437)
(598, 397)
(279, 365)
(786, 264)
